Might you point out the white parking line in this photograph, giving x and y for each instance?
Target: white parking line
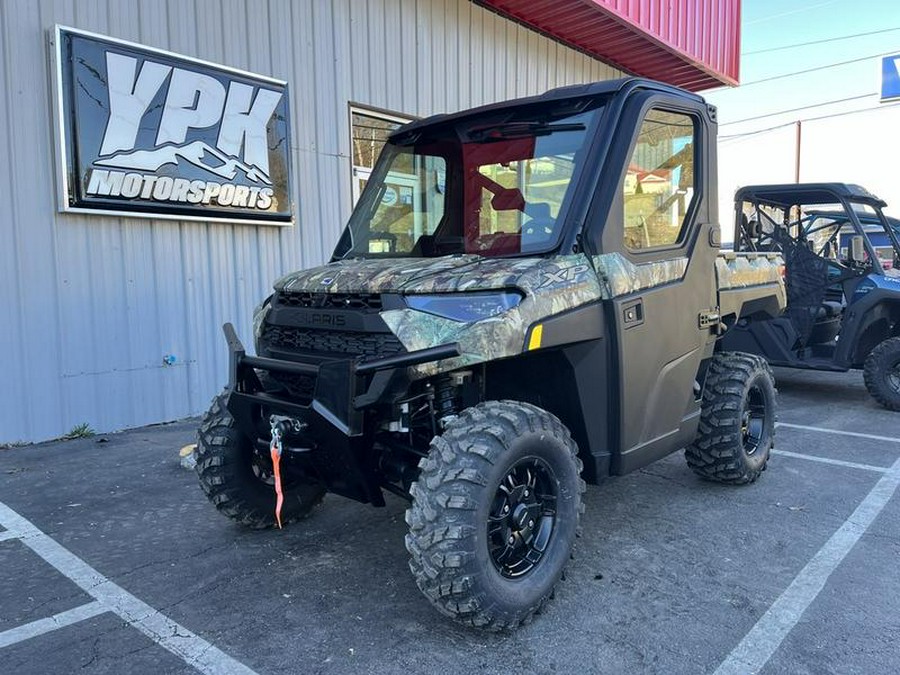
(828, 460)
(7, 535)
(41, 626)
(839, 432)
(193, 649)
(758, 646)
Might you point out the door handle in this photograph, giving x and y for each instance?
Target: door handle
(633, 313)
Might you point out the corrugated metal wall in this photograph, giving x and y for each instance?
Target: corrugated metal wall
(90, 305)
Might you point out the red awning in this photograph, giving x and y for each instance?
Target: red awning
(694, 44)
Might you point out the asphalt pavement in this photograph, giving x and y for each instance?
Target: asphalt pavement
(113, 561)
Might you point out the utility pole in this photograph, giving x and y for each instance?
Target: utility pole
(797, 155)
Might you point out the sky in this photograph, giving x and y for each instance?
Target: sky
(862, 147)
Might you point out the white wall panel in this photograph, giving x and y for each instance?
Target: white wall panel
(89, 305)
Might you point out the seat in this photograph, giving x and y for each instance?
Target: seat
(827, 324)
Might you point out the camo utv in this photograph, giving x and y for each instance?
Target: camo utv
(527, 296)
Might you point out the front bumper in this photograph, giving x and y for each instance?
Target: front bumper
(335, 439)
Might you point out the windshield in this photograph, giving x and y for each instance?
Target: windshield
(488, 186)
(885, 238)
(835, 230)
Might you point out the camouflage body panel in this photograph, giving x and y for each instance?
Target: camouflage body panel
(621, 276)
(740, 270)
(550, 286)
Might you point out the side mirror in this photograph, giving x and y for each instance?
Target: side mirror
(857, 249)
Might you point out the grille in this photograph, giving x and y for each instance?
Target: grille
(357, 301)
(371, 345)
(300, 387)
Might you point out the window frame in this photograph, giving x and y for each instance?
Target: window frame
(382, 114)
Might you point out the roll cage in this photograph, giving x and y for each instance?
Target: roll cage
(818, 230)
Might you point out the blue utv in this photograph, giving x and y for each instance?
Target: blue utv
(842, 272)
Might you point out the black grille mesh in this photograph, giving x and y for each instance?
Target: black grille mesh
(325, 342)
(301, 387)
(370, 345)
(357, 301)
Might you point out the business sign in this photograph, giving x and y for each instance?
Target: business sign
(890, 77)
(144, 132)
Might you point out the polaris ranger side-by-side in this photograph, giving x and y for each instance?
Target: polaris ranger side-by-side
(842, 270)
(528, 296)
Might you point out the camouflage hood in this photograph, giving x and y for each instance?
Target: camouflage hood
(549, 285)
(371, 276)
(449, 274)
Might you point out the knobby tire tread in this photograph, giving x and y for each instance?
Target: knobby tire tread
(220, 472)
(874, 376)
(717, 452)
(441, 539)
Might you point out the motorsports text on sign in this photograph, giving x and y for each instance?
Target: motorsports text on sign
(149, 133)
(890, 77)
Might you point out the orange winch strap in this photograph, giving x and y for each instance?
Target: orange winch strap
(275, 450)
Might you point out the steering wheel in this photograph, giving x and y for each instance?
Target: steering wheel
(846, 271)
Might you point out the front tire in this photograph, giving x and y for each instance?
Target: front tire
(495, 512)
(737, 421)
(236, 477)
(881, 373)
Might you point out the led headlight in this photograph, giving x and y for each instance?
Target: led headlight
(465, 307)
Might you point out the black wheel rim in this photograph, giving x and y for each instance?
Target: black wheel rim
(522, 517)
(753, 419)
(262, 468)
(893, 378)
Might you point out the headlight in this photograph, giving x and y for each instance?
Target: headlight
(465, 307)
(259, 316)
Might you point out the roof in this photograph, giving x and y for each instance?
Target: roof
(790, 194)
(606, 87)
(694, 44)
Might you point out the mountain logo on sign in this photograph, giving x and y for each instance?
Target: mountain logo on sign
(196, 153)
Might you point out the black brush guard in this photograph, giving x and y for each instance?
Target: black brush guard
(333, 440)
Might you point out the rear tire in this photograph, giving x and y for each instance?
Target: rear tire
(495, 513)
(234, 475)
(881, 373)
(737, 422)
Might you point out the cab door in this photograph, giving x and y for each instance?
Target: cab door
(660, 242)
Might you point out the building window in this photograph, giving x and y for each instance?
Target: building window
(659, 183)
(369, 130)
